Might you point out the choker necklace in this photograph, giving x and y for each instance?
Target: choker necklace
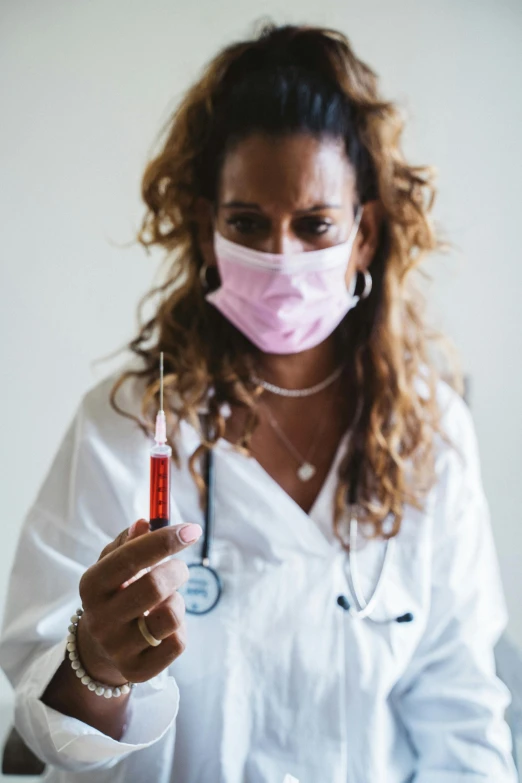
(271, 387)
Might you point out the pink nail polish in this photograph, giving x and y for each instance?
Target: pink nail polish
(190, 533)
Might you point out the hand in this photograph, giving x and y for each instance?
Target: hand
(128, 580)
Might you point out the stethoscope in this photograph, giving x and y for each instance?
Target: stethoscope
(361, 608)
(203, 588)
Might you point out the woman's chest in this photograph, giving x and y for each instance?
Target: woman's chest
(295, 446)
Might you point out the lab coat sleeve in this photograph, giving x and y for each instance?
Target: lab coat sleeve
(450, 699)
(63, 533)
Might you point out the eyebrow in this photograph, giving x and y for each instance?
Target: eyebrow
(250, 205)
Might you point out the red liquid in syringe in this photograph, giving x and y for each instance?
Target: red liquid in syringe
(159, 491)
(160, 455)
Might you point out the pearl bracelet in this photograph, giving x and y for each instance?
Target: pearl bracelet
(96, 687)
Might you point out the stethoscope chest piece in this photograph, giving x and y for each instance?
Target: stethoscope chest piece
(202, 590)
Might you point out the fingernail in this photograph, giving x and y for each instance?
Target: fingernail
(189, 533)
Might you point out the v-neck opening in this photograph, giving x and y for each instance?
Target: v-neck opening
(319, 518)
(315, 508)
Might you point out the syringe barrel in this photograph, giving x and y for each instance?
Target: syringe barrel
(160, 458)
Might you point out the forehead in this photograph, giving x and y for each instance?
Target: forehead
(286, 172)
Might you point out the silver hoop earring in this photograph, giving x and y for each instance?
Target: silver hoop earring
(368, 283)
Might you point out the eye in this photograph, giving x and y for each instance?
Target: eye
(245, 224)
(315, 226)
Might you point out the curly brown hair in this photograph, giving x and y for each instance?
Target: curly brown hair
(248, 87)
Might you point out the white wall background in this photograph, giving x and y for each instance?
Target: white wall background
(85, 87)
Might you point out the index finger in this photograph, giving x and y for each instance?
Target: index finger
(133, 556)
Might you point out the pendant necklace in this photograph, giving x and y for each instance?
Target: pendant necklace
(306, 469)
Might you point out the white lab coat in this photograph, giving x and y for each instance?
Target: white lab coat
(277, 678)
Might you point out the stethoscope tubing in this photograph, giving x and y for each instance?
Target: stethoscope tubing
(210, 484)
(365, 607)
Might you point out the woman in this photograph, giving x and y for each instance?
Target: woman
(295, 354)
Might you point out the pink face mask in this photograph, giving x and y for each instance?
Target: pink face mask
(284, 302)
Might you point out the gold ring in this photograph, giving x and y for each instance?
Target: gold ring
(146, 633)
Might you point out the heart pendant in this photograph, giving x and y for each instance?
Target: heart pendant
(305, 472)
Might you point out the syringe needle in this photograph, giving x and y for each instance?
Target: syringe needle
(161, 381)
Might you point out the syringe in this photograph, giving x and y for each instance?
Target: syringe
(160, 456)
